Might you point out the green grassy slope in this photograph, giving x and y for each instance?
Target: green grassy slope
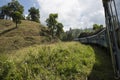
(5, 24)
(26, 28)
(26, 34)
(49, 62)
(60, 61)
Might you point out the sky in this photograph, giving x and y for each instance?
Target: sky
(72, 13)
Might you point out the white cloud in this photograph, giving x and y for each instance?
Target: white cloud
(73, 13)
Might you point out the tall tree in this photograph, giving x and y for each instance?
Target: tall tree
(59, 30)
(10, 8)
(51, 23)
(34, 14)
(17, 17)
(5, 11)
(14, 5)
(69, 35)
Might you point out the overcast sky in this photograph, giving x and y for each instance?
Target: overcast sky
(72, 13)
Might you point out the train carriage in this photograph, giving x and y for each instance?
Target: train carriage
(110, 36)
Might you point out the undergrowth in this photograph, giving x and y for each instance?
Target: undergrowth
(60, 61)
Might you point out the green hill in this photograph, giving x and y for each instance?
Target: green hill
(23, 56)
(26, 34)
(73, 61)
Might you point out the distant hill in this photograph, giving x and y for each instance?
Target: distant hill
(26, 34)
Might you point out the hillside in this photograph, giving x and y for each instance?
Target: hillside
(23, 56)
(74, 61)
(25, 35)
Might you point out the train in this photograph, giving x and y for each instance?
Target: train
(99, 38)
(109, 37)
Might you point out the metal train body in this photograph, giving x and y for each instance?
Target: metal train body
(110, 36)
(100, 38)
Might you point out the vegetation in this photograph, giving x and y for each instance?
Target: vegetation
(68, 35)
(12, 10)
(49, 62)
(9, 9)
(55, 28)
(97, 27)
(25, 35)
(17, 17)
(26, 55)
(34, 14)
(55, 62)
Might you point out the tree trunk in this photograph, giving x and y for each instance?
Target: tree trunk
(16, 24)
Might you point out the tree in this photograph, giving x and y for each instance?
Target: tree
(17, 17)
(14, 5)
(34, 14)
(1, 13)
(97, 27)
(5, 11)
(51, 23)
(55, 28)
(69, 35)
(59, 30)
(28, 17)
(10, 8)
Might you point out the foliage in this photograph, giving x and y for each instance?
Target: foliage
(55, 28)
(51, 23)
(97, 27)
(13, 9)
(74, 61)
(4, 11)
(9, 9)
(33, 14)
(44, 31)
(59, 30)
(86, 34)
(26, 35)
(16, 17)
(68, 35)
(89, 32)
(49, 62)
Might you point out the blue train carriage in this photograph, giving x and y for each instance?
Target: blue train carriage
(103, 38)
(112, 16)
(109, 37)
(100, 38)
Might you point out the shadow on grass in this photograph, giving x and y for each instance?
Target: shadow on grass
(102, 69)
(8, 30)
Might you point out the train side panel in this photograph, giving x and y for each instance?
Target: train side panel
(99, 38)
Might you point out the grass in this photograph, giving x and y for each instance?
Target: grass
(5, 24)
(26, 28)
(23, 56)
(58, 61)
(102, 69)
(27, 34)
(49, 62)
